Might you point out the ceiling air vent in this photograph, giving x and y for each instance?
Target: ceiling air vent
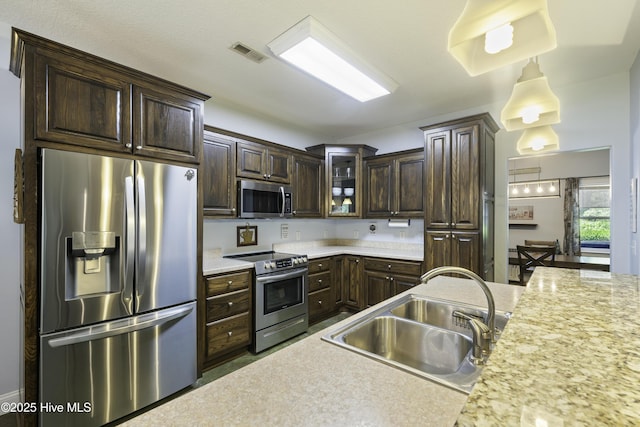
(248, 52)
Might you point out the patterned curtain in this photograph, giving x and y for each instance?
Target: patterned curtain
(571, 217)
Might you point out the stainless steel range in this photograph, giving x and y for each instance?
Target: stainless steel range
(280, 297)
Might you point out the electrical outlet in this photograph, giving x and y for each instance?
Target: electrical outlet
(284, 231)
(297, 235)
(372, 228)
(403, 234)
(325, 234)
(356, 234)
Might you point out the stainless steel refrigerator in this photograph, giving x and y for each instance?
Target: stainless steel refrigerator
(118, 285)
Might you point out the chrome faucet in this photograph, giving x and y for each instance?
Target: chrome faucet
(481, 337)
(491, 306)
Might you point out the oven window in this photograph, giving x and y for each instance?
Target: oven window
(282, 294)
(258, 201)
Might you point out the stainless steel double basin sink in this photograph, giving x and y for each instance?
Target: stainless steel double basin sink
(420, 335)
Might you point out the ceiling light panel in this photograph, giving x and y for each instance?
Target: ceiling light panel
(312, 48)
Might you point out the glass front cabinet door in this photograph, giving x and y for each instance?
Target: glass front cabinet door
(344, 189)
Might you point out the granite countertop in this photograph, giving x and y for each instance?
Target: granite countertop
(569, 356)
(315, 383)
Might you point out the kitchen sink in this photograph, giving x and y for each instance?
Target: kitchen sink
(426, 348)
(441, 313)
(420, 335)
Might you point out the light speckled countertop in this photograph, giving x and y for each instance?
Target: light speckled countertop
(214, 263)
(570, 356)
(315, 383)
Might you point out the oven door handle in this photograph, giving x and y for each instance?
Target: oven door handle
(272, 278)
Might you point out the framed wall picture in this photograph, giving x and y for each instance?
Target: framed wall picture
(247, 235)
(520, 213)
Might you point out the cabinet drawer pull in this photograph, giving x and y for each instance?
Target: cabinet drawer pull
(389, 266)
(139, 147)
(319, 281)
(230, 333)
(128, 145)
(230, 282)
(320, 265)
(230, 303)
(320, 302)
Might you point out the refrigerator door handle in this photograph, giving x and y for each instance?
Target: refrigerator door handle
(145, 322)
(130, 218)
(142, 236)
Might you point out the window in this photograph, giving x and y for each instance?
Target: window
(595, 214)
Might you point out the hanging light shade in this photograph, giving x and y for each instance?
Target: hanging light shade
(532, 102)
(538, 140)
(493, 33)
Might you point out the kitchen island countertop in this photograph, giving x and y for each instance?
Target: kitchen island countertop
(316, 383)
(570, 356)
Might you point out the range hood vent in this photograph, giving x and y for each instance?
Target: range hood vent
(247, 52)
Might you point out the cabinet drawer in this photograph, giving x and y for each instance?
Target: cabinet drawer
(393, 266)
(228, 334)
(217, 285)
(320, 264)
(227, 305)
(320, 303)
(319, 281)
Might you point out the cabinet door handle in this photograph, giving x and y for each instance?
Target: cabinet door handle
(264, 176)
(128, 145)
(319, 281)
(320, 302)
(389, 266)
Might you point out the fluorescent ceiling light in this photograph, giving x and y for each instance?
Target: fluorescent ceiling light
(315, 50)
(492, 34)
(532, 102)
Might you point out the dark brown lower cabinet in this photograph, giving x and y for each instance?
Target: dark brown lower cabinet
(456, 248)
(384, 278)
(227, 315)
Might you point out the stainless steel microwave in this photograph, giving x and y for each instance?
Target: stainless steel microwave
(264, 200)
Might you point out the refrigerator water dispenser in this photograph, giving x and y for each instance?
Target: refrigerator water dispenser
(93, 263)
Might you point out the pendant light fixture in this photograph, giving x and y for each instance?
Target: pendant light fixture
(538, 140)
(532, 102)
(493, 33)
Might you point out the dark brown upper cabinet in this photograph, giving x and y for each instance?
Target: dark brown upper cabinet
(308, 186)
(343, 182)
(263, 162)
(394, 185)
(83, 100)
(218, 174)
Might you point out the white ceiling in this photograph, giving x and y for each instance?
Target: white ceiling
(188, 43)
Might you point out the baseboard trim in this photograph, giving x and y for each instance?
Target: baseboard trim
(11, 397)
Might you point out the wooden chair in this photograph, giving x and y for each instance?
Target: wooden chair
(539, 243)
(531, 256)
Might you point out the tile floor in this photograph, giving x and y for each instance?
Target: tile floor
(222, 370)
(10, 420)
